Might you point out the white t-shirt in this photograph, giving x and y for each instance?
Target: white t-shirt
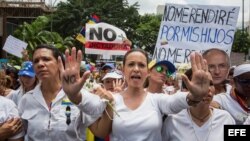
(50, 124)
(228, 103)
(143, 123)
(180, 127)
(8, 110)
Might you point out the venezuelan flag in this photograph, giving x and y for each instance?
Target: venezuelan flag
(89, 135)
(81, 38)
(95, 18)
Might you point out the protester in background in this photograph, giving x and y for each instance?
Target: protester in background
(200, 122)
(159, 71)
(135, 102)
(218, 65)
(10, 123)
(237, 103)
(13, 73)
(113, 81)
(27, 80)
(107, 67)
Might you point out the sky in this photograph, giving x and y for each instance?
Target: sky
(149, 6)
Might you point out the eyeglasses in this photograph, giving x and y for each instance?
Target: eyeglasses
(160, 69)
(243, 81)
(222, 67)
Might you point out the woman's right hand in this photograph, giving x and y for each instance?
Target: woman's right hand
(10, 128)
(72, 82)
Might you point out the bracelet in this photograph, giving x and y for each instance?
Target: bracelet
(192, 102)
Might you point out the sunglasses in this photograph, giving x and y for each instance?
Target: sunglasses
(160, 69)
(243, 81)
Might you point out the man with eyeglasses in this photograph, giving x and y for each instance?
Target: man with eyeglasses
(237, 103)
(218, 65)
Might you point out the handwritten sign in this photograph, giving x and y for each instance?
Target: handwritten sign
(188, 28)
(105, 39)
(14, 46)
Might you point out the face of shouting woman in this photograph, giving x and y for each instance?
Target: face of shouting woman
(135, 69)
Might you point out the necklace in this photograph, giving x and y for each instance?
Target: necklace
(209, 128)
(203, 119)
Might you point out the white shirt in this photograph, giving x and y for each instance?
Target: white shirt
(8, 110)
(228, 103)
(228, 89)
(181, 127)
(44, 124)
(16, 95)
(145, 122)
(247, 122)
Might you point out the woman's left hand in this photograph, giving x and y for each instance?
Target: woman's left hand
(118, 85)
(72, 83)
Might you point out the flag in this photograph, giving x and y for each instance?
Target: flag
(82, 31)
(92, 20)
(95, 18)
(80, 38)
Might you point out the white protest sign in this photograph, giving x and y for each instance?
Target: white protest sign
(188, 28)
(14, 46)
(104, 39)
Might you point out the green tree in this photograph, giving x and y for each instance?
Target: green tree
(147, 31)
(241, 42)
(34, 34)
(70, 16)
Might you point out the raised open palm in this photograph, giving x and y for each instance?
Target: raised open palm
(72, 83)
(199, 85)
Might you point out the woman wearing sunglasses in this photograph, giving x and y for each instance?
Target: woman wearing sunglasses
(238, 102)
(159, 72)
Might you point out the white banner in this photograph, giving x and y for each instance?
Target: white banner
(104, 39)
(188, 28)
(14, 46)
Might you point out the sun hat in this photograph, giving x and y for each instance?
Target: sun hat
(243, 68)
(114, 74)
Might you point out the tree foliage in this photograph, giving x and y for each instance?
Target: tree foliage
(34, 34)
(147, 32)
(241, 42)
(72, 15)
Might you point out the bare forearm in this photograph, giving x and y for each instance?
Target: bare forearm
(103, 126)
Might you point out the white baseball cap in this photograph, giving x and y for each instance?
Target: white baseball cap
(113, 74)
(241, 69)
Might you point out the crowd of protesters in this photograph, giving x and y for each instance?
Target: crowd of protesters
(55, 96)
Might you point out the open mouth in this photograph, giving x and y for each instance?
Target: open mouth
(135, 77)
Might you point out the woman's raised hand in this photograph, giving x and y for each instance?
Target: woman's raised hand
(72, 83)
(199, 85)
